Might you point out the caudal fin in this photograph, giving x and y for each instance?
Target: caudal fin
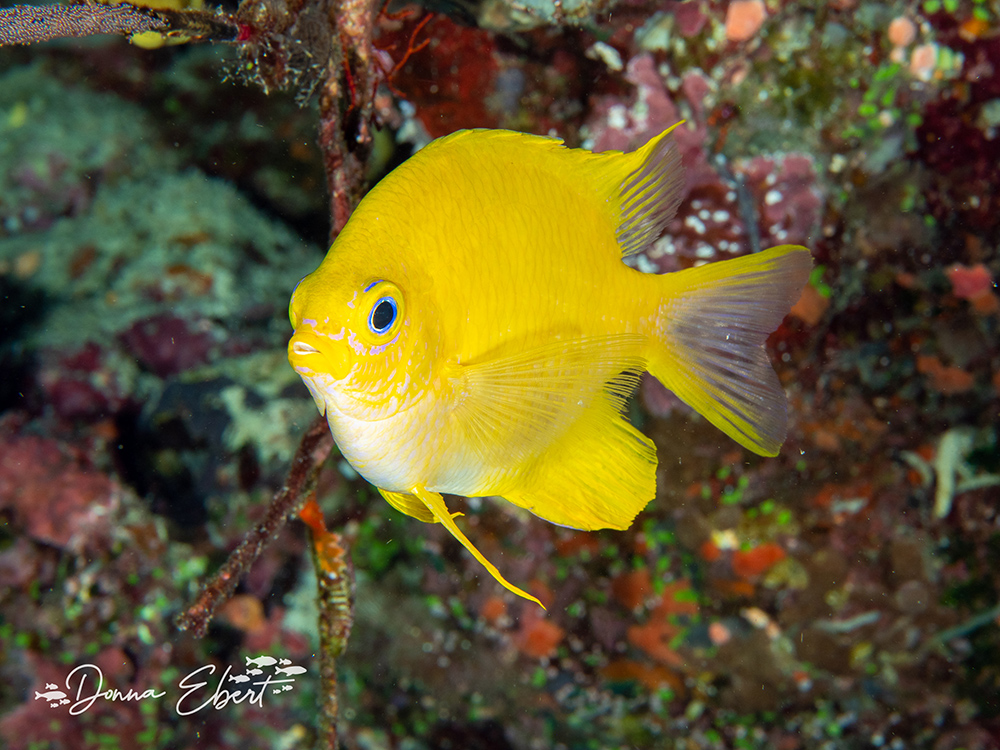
(712, 325)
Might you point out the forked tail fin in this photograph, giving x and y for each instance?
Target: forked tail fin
(713, 321)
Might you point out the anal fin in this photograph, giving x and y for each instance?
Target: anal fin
(435, 505)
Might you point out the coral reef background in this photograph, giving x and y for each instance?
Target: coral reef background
(154, 219)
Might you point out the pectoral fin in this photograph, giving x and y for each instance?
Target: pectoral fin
(435, 505)
(511, 408)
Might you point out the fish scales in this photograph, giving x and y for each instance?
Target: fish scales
(474, 331)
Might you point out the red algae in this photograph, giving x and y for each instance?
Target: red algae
(632, 588)
(53, 495)
(167, 345)
(969, 282)
(450, 78)
(947, 379)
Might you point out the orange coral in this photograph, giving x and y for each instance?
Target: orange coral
(744, 19)
(709, 551)
(244, 612)
(632, 588)
(810, 307)
(734, 589)
(676, 600)
(654, 638)
(754, 562)
(902, 31)
(571, 543)
(538, 637)
(946, 379)
(493, 609)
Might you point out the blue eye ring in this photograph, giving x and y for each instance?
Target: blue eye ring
(383, 315)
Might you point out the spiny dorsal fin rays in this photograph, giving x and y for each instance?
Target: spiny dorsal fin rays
(639, 191)
(651, 194)
(512, 407)
(435, 504)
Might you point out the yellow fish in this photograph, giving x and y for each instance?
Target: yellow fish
(474, 331)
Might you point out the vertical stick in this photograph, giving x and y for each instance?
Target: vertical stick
(335, 584)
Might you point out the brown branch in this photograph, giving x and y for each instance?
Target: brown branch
(26, 24)
(313, 449)
(335, 594)
(346, 109)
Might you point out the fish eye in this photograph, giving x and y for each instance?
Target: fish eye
(383, 315)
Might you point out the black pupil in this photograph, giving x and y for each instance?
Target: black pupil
(383, 315)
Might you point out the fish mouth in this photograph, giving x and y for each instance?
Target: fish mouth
(310, 353)
(301, 348)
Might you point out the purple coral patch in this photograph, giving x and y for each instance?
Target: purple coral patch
(166, 345)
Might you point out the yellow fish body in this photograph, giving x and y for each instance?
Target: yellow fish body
(474, 331)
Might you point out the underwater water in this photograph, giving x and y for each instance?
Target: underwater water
(156, 214)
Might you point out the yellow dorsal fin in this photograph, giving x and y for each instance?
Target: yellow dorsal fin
(598, 476)
(435, 504)
(650, 194)
(511, 408)
(638, 192)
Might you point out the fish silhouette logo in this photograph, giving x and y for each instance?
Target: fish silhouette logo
(53, 695)
(261, 661)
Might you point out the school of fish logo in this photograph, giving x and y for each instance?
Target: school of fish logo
(282, 668)
(53, 694)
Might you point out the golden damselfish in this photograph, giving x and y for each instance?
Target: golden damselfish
(474, 331)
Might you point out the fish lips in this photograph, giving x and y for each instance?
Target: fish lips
(317, 363)
(310, 353)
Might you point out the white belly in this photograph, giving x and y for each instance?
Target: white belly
(419, 446)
